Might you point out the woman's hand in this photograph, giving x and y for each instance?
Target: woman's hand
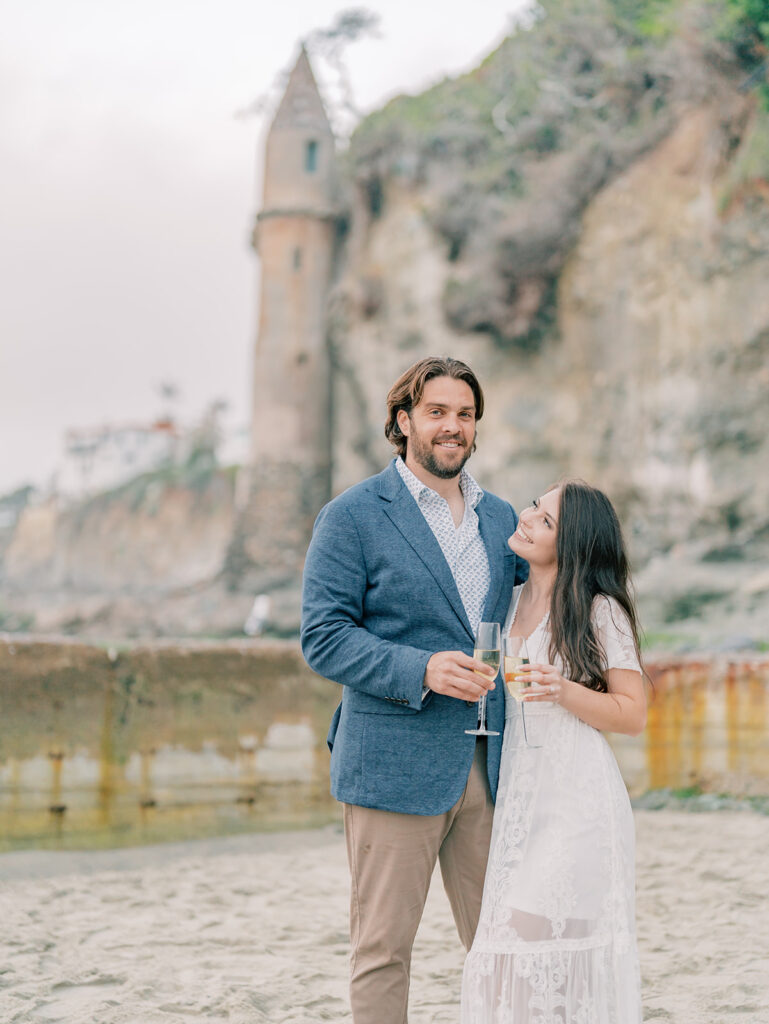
(546, 676)
(621, 709)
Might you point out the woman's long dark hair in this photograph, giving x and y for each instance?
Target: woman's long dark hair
(591, 560)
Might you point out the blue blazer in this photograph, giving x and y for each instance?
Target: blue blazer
(378, 600)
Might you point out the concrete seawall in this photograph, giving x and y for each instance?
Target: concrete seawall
(102, 746)
(707, 728)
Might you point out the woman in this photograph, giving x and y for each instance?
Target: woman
(556, 939)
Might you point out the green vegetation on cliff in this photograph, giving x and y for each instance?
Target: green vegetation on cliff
(510, 154)
(745, 25)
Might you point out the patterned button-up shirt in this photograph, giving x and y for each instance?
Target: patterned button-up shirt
(462, 545)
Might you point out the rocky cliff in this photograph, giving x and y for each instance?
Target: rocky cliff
(585, 219)
(146, 559)
(614, 299)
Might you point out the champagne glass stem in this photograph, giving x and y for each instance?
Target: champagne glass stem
(482, 713)
(523, 720)
(533, 746)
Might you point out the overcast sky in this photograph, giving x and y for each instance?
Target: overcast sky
(128, 190)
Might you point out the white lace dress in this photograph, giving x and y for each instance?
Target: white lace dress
(556, 938)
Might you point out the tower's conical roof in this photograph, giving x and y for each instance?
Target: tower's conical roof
(301, 106)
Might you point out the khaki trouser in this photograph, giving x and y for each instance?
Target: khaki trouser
(392, 857)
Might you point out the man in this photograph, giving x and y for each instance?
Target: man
(400, 571)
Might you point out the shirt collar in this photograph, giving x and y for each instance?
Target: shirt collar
(471, 490)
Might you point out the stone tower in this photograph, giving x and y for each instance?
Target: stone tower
(295, 238)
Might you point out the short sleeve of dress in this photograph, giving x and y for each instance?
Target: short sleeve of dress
(613, 631)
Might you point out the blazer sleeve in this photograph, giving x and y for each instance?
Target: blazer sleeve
(335, 642)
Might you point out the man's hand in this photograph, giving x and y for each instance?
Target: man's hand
(455, 674)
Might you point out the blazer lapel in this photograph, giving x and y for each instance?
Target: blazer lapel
(494, 552)
(406, 516)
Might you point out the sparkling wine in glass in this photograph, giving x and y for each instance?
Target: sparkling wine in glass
(517, 682)
(488, 650)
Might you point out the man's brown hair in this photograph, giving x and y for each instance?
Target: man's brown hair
(407, 392)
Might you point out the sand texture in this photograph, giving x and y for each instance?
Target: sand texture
(254, 929)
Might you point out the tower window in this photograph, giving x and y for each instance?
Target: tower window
(297, 258)
(311, 156)
(375, 196)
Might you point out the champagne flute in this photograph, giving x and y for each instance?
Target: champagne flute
(516, 654)
(487, 650)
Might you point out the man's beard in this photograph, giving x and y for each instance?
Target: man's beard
(423, 453)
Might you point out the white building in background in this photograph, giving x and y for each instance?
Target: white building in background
(102, 458)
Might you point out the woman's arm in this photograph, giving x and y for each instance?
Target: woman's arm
(622, 709)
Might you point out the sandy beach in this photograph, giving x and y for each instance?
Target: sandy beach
(253, 929)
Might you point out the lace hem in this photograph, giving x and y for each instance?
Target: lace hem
(585, 987)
